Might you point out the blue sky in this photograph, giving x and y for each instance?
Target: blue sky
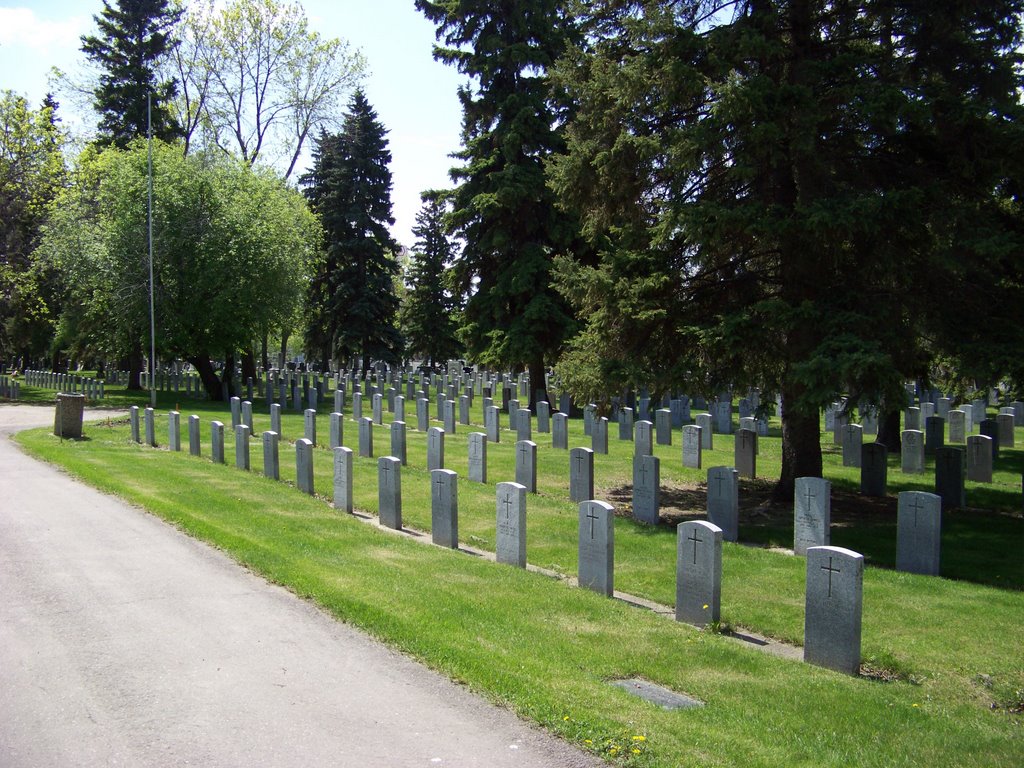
(414, 95)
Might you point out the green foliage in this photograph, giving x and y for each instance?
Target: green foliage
(351, 304)
(812, 198)
(231, 246)
(31, 173)
(503, 209)
(428, 314)
(134, 38)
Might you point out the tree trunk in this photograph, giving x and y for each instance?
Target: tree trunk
(801, 445)
(228, 375)
(211, 383)
(248, 364)
(285, 334)
(264, 351)
(135, 368)
(889, 430)
(538, 388)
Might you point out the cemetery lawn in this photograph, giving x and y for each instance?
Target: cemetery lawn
(943, 676)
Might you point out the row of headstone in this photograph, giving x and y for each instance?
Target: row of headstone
(92, 388)
(10, 388)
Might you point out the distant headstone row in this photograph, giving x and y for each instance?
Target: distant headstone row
(93, 389)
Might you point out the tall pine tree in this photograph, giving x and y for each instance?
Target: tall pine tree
(503, 209)
(427, 317)
(134, 36)
(351, 304)
(785, 192)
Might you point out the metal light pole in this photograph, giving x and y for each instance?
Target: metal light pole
(149, 217)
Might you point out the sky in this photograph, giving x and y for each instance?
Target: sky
(415, 96)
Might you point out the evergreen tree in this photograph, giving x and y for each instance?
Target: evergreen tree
(786, 191)
(351, 303)
(134, 36)
(503, 209)
(428, 322)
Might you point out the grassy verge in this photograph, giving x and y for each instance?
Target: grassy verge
(949, 650)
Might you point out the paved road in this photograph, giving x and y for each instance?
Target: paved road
(124, 642)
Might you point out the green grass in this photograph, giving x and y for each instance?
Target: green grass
(950, 647)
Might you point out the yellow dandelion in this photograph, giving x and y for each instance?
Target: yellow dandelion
(565, 718)
(639, 738)
(636, 751)
(916, 705)
(587, 741)
(705, 606)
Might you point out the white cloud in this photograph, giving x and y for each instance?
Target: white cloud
(21, 27)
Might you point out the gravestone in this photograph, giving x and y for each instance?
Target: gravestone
(339, 400)
(526, 464)
(435, 448)
(745, 453)
(934, 434)
(422, 414)
(990, 428)
(599, 435)
(357, 406)
(942, 407)
(560, 431)
(275, 418)
(918, 532)
(833, 608)
(309, 424)
(133, 420)
(343, 479)
(912, 418)
(912, 451)
(748, 422)
(874, 469)
(698, 572)
(647, 489)
(242, 447)
(271, 457)
(581, 474)
(390, 393)
(840, 423)
(304, 465)
(449, 417)
(216, 442)
(812, 514)
(247, 415)
(596, 562)
(366, 437)
(444, 508)
(706, 432)
(830, 417)
(236, 412)
(510, 538)
(543, 417)
(949, 476)
(869, 421)
(853, 440)
(492, 423)
(643, 443)
(957, 426)
(979, 458)
(1004, 424)
(663, 426)
(513, 412)
(398, 448)
(927, 411)
(692, 446)
(149, 421)
(377, 401)
(463, 410)
(724, 501)
(625, 423)
(399, 409)
(968, 410)
(335, 429)
(194, 437)
(588, 419)
(477, 457)
(174, 431)
(524, 424)
(723, 417)
(389, 492)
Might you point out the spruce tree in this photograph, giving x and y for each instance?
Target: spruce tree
(351, 303)
(786, 192)
(134, 36)
(427, 317)
(503, 209)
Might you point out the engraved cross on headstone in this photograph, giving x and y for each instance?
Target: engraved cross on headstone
(643, 472)
(809, 497)
(916, 506)
(507, 501)
(592, 517)
(693, 537)
(830, 570)
(387, 473)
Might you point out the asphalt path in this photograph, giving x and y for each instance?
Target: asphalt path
(124, 642)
